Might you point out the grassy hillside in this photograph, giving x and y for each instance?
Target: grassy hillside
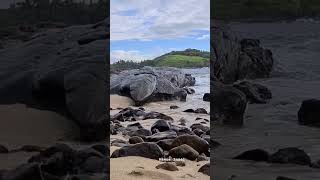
(182, 61)
(189, 58)
(268, 9)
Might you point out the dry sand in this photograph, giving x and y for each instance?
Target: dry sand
(21, 125)
(142, 168)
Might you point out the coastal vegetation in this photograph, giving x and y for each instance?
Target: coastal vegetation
(264, 9)
(189, 58)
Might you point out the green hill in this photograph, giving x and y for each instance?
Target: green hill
(189, 58)
(182, 61)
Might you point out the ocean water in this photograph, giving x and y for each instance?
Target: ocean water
(295, 77)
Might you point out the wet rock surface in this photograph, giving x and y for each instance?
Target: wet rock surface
(152, 84)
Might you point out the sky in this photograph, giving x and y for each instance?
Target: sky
(145, 29)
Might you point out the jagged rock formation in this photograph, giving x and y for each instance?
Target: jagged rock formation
(151, 84)
(235, 59)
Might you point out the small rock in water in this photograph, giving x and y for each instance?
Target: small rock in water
(205, 169)
(174, 107)
(290, 155)
(309, 112)
(167, 166)
(254, 155)
(135, 140)
(206, 97)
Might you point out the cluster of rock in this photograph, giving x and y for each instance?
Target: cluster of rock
(62, 161)
(162, 140)
(152, 84)
(235, 59)
(290, 155)
(62, 70)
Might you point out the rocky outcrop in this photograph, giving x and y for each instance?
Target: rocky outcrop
(309, 112)
(229, 104)
(255, 93)
(235, 59)
(51, 70)
(151, 84)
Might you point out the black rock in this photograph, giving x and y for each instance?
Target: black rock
(206, 97)
(160, 125)
(167, 166)
(309, 112)
(184, 151)
(165, 144)
(147, 150)
(201, 111)
(200, 126)
(254, 155)
(290, 155)
(205, 169)
(198, 132)
(189, 110)
(174, 107)
(230, 104)
(140, 132)
(135, 140)
(197, 143)
(162, 135)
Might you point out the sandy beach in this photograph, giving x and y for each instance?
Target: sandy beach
(134, 167)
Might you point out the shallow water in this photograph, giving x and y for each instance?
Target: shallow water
(296, 75)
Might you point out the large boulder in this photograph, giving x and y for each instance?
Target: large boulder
(147, 150)
(151, 84)
(234, 59)
(229, 104)
(309, 112)
(197, 143)
(184, 151)
(53, 71)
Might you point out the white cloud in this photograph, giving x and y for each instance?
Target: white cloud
(158, 19)
(203, 37)
(138, 56)
(133, 55)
